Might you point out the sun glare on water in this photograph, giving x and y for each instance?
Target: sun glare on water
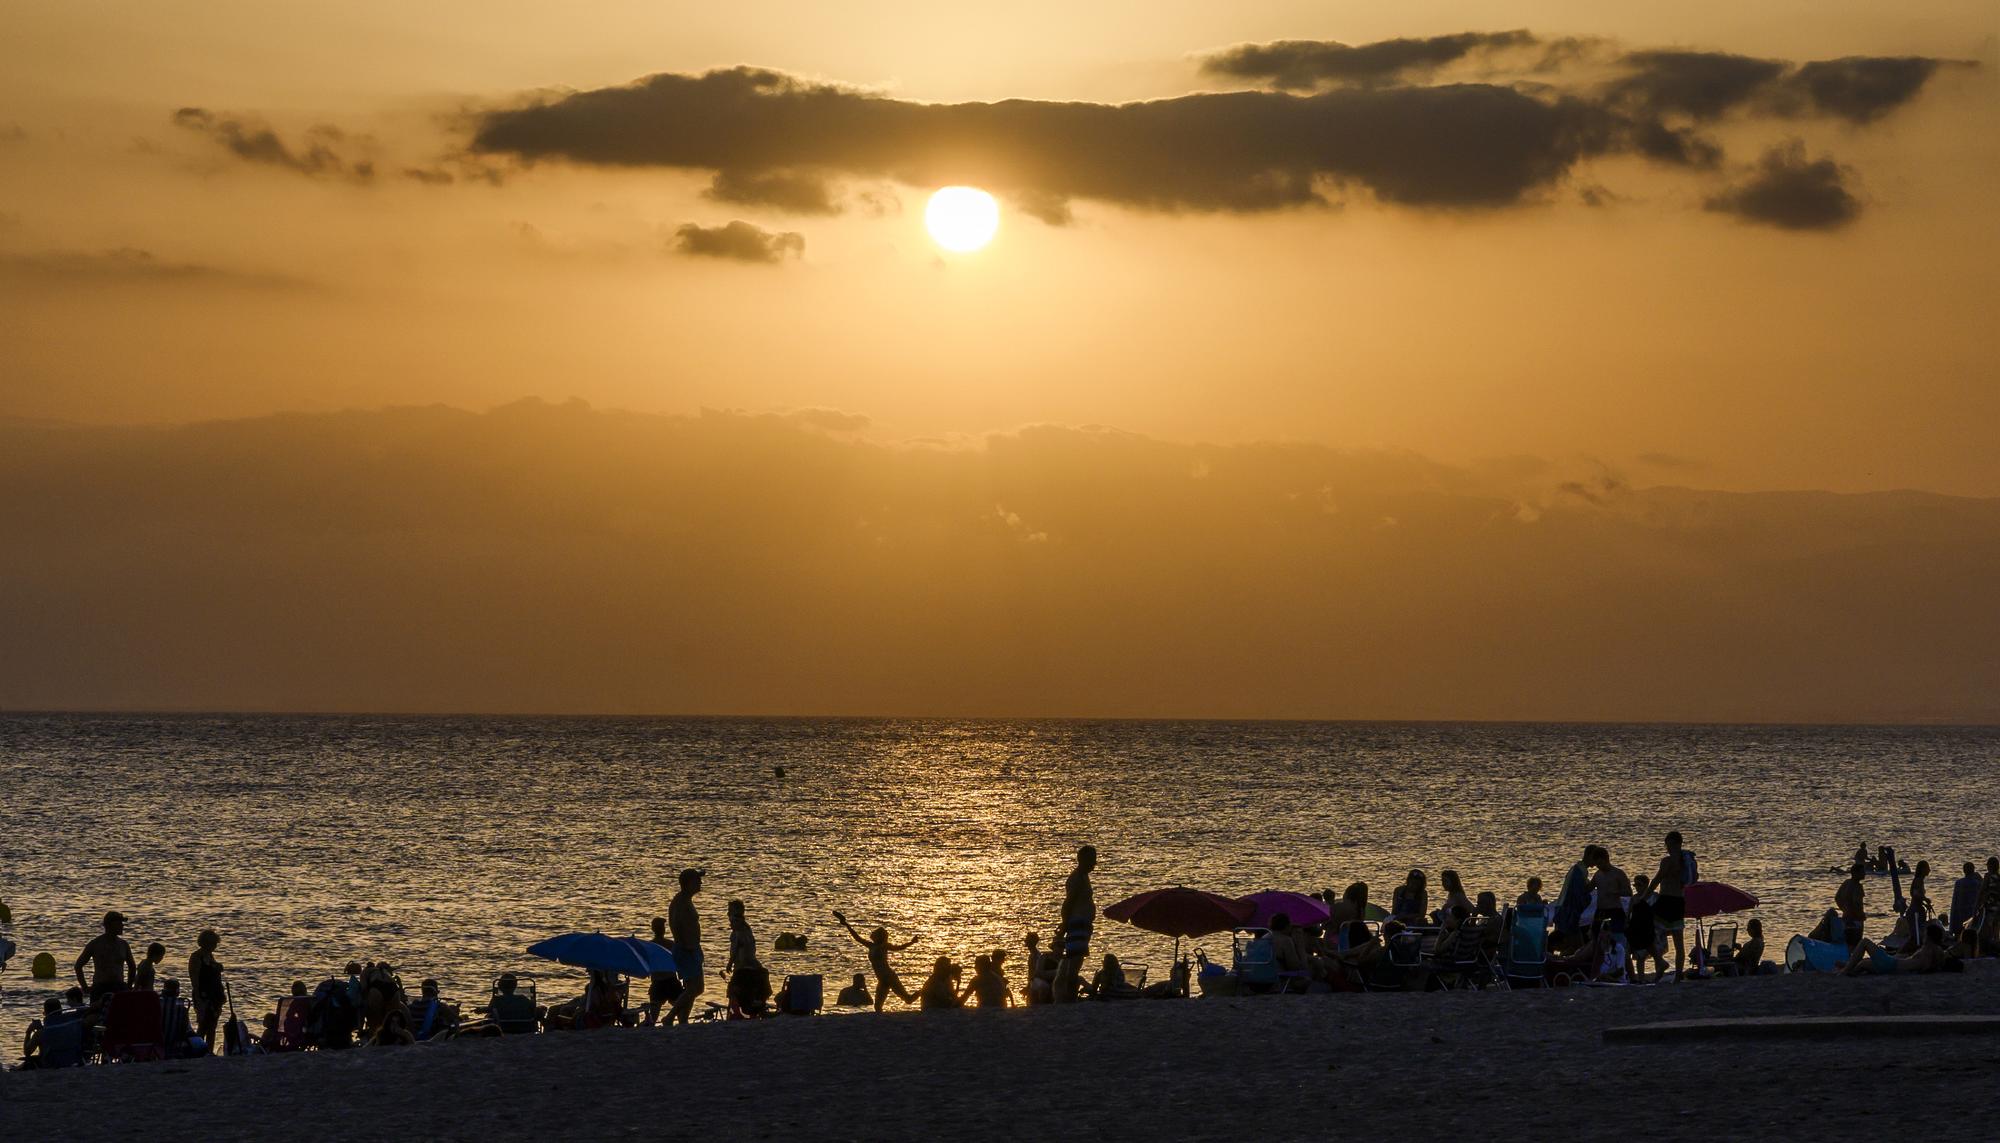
(962, 219)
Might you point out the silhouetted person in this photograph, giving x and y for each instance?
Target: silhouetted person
(879, 948)
(686, 926)
(940, 988)
(1965, 898)
(1676, 872)
(1410, 903)
(205, 992)
(148, 972)
(662, 988)
(854, 995)
(1079, 913)
(109, 958)
(1533, 893)
(1851, 899)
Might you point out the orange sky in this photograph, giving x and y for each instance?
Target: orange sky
(1558, 252)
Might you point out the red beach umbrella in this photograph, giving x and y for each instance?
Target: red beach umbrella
(1297, 907)
(1710, 898)
(1180, 912)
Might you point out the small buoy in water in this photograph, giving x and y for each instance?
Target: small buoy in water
(778, 770)
(43, 967)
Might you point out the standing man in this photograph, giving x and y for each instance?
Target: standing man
(1852, 903)
(1677, 870)
(1965, 899)
(1079, 910)
(686, 926)
(205, 993)
(109, 958)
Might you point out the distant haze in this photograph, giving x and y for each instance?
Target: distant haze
(549, 558)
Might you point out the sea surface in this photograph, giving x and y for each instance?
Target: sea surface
(447, 845)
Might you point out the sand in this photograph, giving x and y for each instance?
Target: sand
(1530, 1064)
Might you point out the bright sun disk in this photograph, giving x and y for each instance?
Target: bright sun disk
(962, 219)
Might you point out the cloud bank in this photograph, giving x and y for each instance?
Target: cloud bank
(553, 558)
(739, 241)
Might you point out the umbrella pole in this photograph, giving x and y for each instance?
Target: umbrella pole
(1176, 965)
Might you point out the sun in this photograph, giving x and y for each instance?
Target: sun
(962, 219)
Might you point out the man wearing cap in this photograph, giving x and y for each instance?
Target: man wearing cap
(110, 959)
(686, 926)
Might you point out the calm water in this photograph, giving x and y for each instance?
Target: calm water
(448, 844)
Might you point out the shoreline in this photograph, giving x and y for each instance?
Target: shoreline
(1284, 1066)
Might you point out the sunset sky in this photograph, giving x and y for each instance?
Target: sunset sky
(1520, 262)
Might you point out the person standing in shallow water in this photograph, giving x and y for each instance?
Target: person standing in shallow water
(1079, 911)
(686, 926)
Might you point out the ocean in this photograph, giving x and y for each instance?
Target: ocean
(447, 844)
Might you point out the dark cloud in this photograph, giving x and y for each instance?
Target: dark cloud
(791, 191)
(1791, 191)
(1464, 145)
(429, 176)
(1708, 85)
(1301, 65)
(129, 264)
(739, 241)
(1702, 85)
(1862, 89)
(326, 151)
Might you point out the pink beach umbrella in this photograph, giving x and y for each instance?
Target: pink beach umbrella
(1711, 898)
(1179, 912)
(1297, 907)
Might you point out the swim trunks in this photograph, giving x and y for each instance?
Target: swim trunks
(1670, 913)
(689, 961)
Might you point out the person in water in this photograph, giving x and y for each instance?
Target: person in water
(685, 923)
(879, 948)
(109, 958)
(854, 995)
(1079, 912)
(205, 993)
(1670, 882)
(148, 973)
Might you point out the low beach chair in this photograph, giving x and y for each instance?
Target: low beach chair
(515, 1013)
(1256, 961)
(133, 1028)
(1524, 947)
(1402, 960)
(804, 993)
(62, 1043)
(1717, 953)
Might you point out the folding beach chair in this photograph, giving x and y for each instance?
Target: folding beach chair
(1256, 962)
(1524, 947)
(1403, 955)
(1717, 952)
(804, 993)
(133, 1027)
(62, 1043)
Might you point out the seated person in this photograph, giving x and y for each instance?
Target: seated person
(940, 988)
(855, 995)
(394, 1029)
(1109, 983)
(31, 1042)
(1750, 955)
(175, 1030)
(1042, 986)
(749, 990)
(429, 1014)
(1588, 962)
(1870, 957)
(509, 1009)
(1174, 987)
(1287, 947)
(988, 987)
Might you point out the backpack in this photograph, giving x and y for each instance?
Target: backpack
(333, 1017)
(1690, 872)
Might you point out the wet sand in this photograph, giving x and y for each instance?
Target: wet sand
(1276, 1067)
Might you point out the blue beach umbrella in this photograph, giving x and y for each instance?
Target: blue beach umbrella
(628, 956)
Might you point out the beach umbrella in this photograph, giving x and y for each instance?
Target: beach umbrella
(1180, 912)
(1297, 907)
(1710, 898)
(628, 956)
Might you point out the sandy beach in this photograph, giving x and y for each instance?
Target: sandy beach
(1279, 1067)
